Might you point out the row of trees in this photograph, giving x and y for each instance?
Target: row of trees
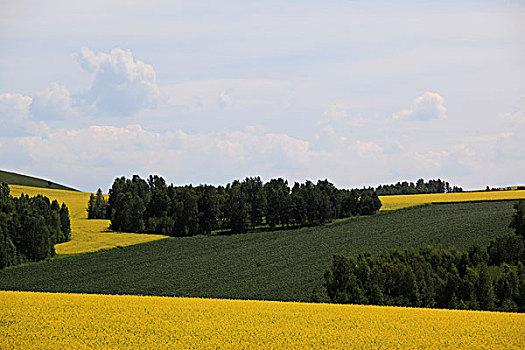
(432, 186)
(139, 205)
(491, 278)
(30, 227)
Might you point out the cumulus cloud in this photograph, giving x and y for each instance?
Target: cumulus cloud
(55, 102)
(15, 118)
(367, 148)
(225, 100)
(213, 157)
(428, 106)
(14, 106)
(121, 85)
(337, 112)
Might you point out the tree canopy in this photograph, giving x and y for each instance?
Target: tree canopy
(151, 206)
(30, 227)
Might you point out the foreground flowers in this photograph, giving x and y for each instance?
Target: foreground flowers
(79, 321)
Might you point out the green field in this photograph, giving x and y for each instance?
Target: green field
(24, 180)
(279, 265)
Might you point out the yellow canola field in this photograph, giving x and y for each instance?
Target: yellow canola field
(81, 321)
(86, 235)
(404, 201)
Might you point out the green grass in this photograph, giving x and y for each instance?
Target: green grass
(24, 180)
(279, 265)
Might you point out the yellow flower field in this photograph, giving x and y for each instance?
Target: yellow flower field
(87, 235)
(81, 321)
(404, 201)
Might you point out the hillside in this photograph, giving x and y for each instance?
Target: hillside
(280, 265)
(25, 180)
(80, 321)
(86, 235)
(395, 202)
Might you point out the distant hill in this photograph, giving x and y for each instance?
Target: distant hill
(24, 180)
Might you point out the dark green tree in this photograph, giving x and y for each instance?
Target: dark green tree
(484, 289)
(65, 222)
(518, 219)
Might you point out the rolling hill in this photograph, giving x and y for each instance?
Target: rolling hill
(278, 265)
(25, 180)
(83, 321)
(86, 235)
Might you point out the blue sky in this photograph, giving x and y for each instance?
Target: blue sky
(361, 93)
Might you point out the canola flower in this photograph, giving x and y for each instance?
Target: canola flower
(86, 235)
(81, 321)
(405, 201)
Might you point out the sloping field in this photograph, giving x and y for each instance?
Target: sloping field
(52, 321)
(278, 265)
(87, 235)
(24, 180)
(405, 201)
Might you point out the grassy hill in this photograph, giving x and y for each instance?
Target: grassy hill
(279, 265)
(24, 180)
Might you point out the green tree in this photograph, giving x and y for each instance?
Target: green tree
(208, 208)
(484, 289)
(254, 189)
(238, 208)
(65, 222)
(518, 219)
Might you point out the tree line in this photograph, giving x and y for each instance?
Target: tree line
(30, 227)
(152, 206)
(420, 187)
(490, 278)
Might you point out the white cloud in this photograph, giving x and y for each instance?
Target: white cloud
(15, 118)
(225, 100)
(367, 148)
(337, 112)
(14, 106)
(426, 107)
(215, 157)
(122, 85)
(53, 103)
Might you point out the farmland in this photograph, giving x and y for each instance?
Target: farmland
(278, 265)
(24, 180)
(87, 235)
(47, 320)
(93, 235)
(405, 201)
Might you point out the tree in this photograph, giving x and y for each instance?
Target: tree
(208, 208)
(97, 206)
(369, 203)
(299, 213)
(65, 222)
(238, 208)
(7, 248)
(508, 249)
(518, 219)
(279, 204)
(256, 198)
(484, 289)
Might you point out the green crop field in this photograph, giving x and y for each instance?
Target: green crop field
(24, 180)
(279, 265)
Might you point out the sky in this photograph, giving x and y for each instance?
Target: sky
(359, 92)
